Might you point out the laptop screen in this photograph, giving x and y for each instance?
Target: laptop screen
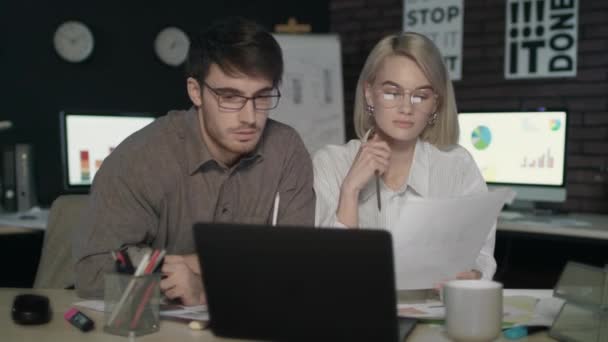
(298, 283)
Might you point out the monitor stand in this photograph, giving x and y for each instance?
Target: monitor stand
(520, 208)
(523, 206)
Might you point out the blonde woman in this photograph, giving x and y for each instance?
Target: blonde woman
(406, 120)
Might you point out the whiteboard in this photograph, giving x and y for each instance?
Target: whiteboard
(312, 99)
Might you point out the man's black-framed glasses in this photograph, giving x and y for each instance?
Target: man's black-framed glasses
(231, 102)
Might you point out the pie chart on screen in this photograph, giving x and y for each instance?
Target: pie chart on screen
(555, 124)
(481, 137)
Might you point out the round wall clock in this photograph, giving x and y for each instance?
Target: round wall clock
(73, 41)
(171, 46)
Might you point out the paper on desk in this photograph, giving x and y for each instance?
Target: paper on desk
(427, 310)
(33, 218)
(531, 311)
(512, 312)
(516, 310)
(193, 313)
(434, 239)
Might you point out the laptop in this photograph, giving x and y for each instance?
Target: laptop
(299, 283)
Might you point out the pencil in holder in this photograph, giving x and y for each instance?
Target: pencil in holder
(131, 304)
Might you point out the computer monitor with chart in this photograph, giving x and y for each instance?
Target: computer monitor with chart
(524, 150)
(89, 137)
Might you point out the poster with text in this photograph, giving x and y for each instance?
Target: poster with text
(541, 38)
(312, 99)
(441, 21)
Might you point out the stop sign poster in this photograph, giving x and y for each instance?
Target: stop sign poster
(441, 21)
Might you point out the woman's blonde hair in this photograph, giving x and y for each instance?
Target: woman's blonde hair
(425, 54)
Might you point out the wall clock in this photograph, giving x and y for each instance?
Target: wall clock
(73, 41)
(171, 46)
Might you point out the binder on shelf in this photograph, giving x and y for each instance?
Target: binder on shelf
(18, 190)
(24, 170)
(9, 192)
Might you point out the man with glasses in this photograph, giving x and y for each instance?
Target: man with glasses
(223, 160)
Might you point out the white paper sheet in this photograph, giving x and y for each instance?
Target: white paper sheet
(33, 218)
(194, 313)
(434, 239)
(432, 309)
(517, 310)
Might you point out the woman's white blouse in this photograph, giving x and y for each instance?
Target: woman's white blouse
(434, 174)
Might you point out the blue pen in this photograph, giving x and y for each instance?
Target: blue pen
(519, 331)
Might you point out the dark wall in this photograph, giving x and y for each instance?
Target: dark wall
(123, 72)
(361, 23)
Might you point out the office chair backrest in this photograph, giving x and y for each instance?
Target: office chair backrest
(55, 269)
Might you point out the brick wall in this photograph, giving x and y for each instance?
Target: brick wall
(362, 23)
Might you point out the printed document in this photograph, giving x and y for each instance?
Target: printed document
(435, 239)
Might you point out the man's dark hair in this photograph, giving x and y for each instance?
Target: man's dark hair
(236, 45)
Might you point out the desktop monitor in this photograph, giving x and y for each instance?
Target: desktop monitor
(87, 138)
(524, 150)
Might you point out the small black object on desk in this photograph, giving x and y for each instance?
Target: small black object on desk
(31, 309)
(79, 320)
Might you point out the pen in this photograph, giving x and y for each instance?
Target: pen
(122, 262)
(378, 191)
(370, 135)
(128, 263)
(155, 260)
(138, 272)
(275, 209)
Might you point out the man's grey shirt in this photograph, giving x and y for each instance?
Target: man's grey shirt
(161, 180)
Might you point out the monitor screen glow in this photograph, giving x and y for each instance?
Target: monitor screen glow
(524, 150)
(88, 139)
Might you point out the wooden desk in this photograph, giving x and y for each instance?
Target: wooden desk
(31, 220)
(589, 226)
(11, 230)
(60, 330)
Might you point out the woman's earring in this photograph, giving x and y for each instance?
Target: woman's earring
(433, 119)
(369, 109)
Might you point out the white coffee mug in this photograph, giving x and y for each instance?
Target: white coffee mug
(473, 310)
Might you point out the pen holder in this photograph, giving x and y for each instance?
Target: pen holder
(131, 304)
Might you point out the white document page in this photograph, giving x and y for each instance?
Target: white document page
(33, 218)
(434, 239)
(193, 313)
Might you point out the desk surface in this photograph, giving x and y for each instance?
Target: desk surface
(11, 230)
(60, 330)
(590, 226)
(24, 221)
